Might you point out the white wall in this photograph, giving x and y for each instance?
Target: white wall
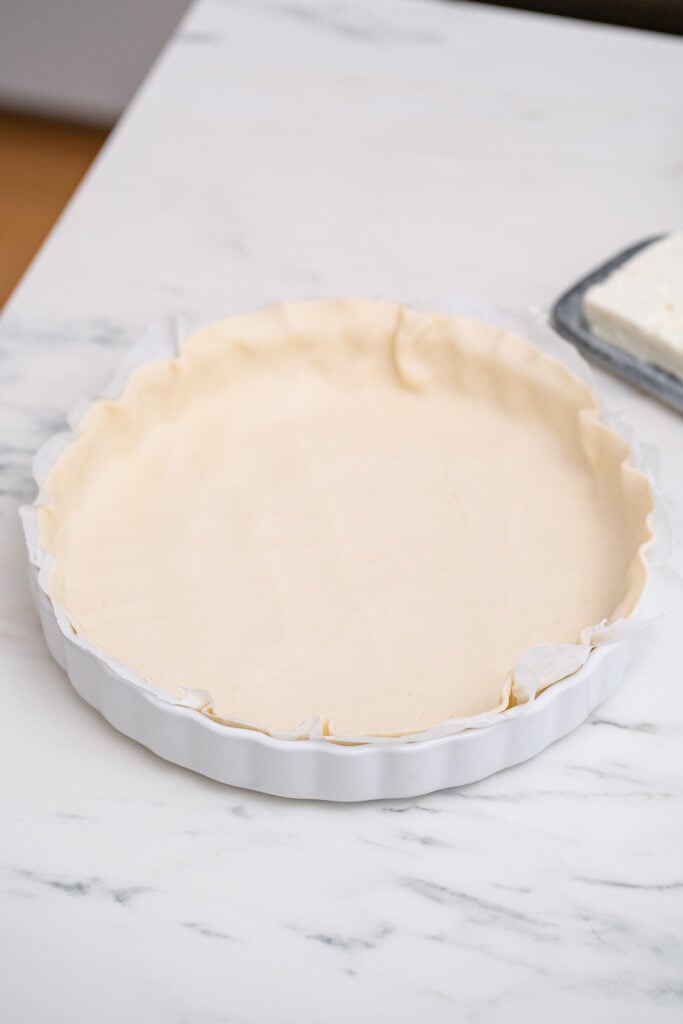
(80, 58)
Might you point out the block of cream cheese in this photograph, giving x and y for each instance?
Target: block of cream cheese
(639, 307)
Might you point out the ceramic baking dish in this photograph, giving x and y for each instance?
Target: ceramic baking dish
(317, 768)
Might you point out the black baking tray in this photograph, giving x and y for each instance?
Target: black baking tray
(569, 321)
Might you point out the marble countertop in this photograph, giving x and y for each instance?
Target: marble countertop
(286, 148)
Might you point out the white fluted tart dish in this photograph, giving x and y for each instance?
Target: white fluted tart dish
(342, 549)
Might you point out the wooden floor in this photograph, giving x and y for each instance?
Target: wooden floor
(41, 163)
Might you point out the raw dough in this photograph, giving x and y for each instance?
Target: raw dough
(344, 509)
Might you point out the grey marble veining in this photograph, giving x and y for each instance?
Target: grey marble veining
(285, 148)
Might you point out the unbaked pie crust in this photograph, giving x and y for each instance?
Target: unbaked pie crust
(346, 511)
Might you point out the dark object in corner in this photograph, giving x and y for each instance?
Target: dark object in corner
(653, 15)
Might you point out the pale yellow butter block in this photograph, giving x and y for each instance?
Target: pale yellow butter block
(639, 307)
